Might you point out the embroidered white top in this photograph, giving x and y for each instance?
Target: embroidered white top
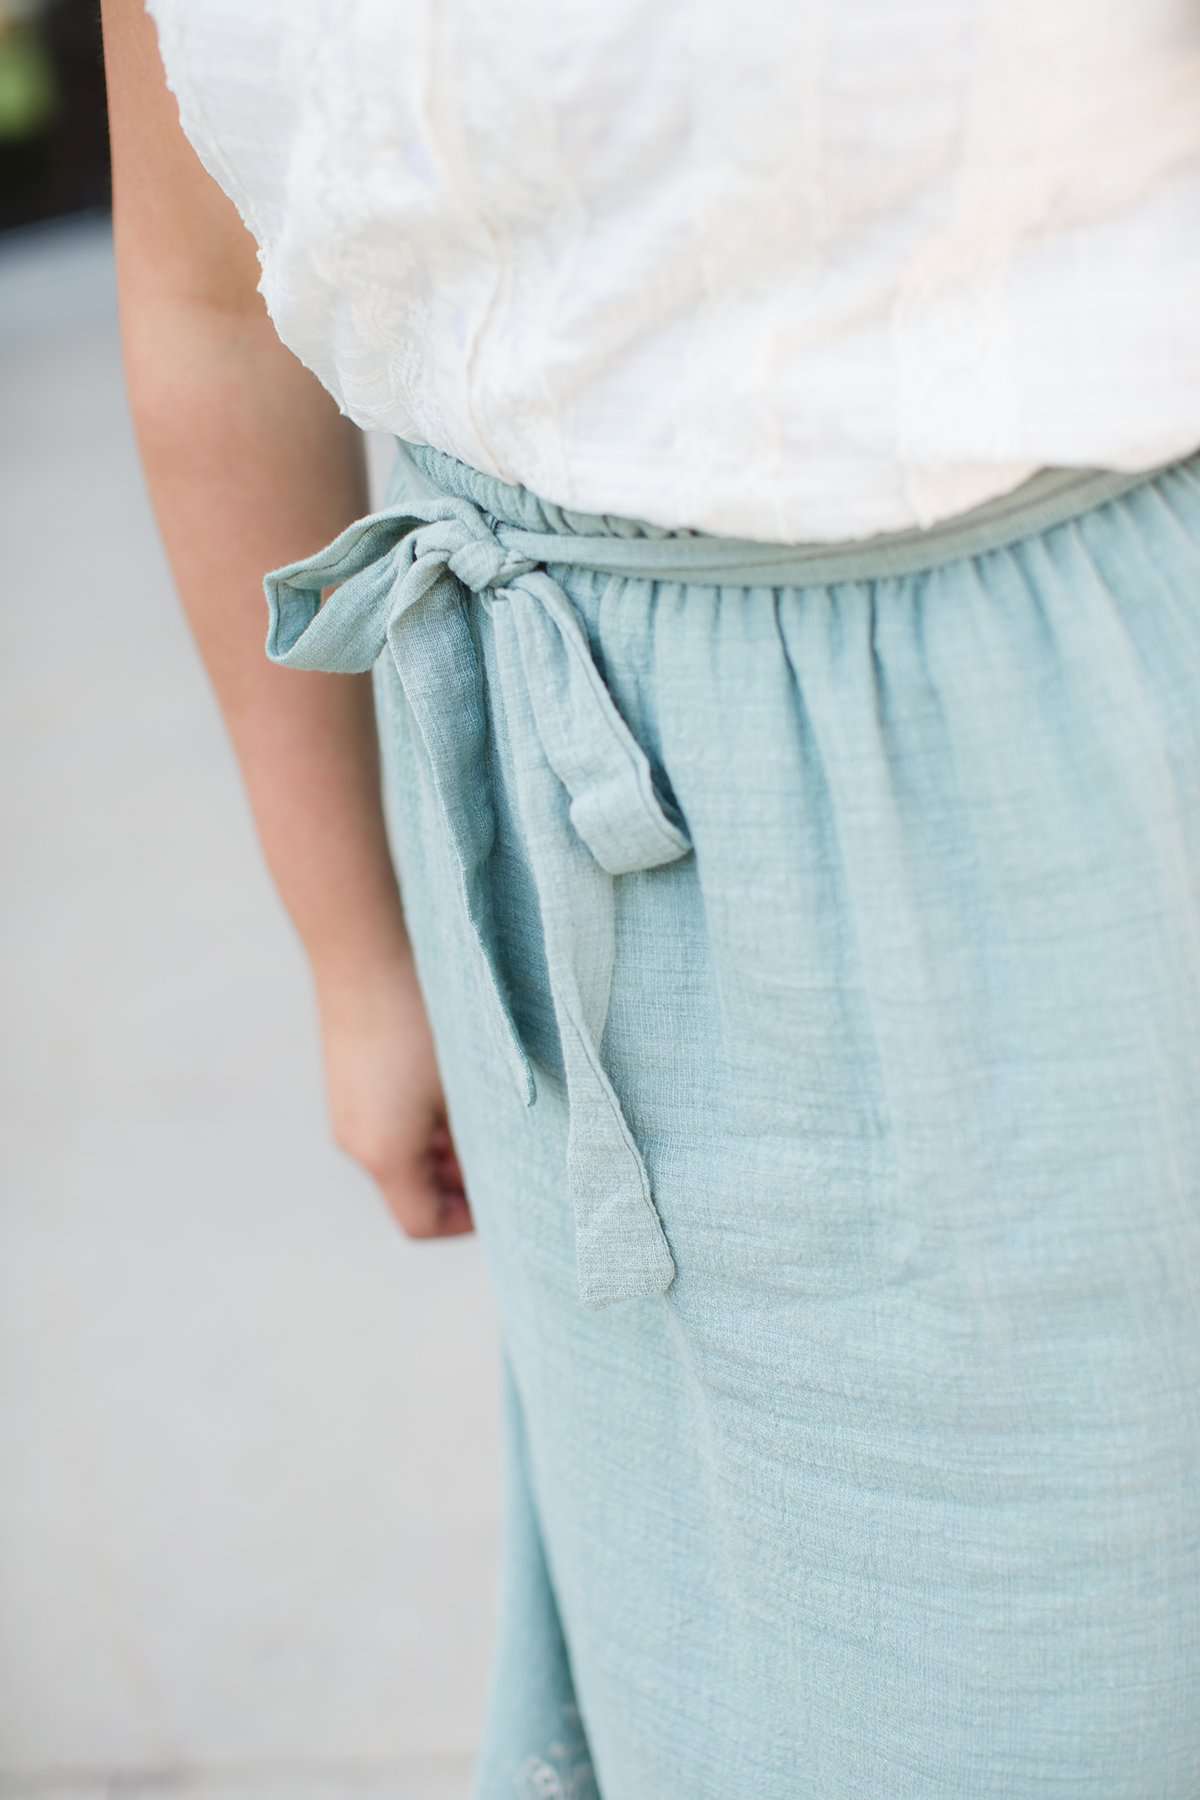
(791, 270)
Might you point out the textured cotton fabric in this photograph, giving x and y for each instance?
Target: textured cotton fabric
(786, 270)
(812, 944)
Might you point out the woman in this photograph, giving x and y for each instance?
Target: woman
(784, 631)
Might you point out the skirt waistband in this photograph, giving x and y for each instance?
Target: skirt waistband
(554, 535)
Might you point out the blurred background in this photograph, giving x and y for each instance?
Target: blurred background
(248, 1434)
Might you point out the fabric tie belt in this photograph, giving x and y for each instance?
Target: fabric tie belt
(405, 577)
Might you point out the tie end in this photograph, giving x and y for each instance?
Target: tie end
(522, 1075)
(604, 1284)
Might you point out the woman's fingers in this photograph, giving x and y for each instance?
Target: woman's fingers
(385, 1098)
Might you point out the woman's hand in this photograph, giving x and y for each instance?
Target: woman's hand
(384, 1092)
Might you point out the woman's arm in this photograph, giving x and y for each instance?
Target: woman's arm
(250, 465)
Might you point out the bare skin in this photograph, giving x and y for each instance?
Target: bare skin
(249, 465)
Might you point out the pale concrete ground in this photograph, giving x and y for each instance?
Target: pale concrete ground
(248, 1435)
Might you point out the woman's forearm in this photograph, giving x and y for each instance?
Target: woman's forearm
(250, 465)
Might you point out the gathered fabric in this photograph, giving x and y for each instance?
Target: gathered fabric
(811, 937)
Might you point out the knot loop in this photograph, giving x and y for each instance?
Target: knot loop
(471, 551)
(485, 563)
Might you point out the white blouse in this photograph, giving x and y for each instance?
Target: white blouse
(782, 269)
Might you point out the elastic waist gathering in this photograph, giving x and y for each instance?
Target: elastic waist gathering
(557, 535)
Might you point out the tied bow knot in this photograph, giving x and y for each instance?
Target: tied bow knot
(478, 559)
(402, 580)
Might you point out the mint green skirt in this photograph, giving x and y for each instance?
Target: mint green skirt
(812, 941)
